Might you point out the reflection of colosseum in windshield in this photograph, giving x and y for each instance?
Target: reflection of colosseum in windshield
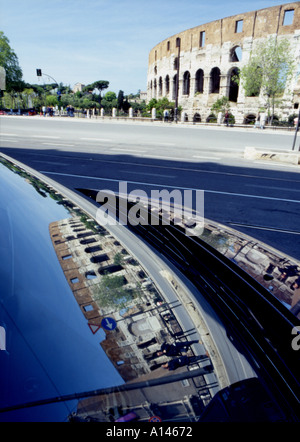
(199, 65)
(108, 282)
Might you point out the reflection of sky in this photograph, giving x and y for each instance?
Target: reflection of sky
(50, 349)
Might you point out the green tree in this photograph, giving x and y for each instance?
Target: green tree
(110, 292)
(98, 85)
(109, 101)
(120, 99)
(9, 60)
(51, 100)
(269, 71)
(160, 105)
(221, 105)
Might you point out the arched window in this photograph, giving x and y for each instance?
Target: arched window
(233, 85)
(167, 84)
(197, 118)
(199, 81)
(186, 83)
(236, 54)
(215, 81)
(160, 86)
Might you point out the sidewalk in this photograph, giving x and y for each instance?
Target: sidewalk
(156, 122)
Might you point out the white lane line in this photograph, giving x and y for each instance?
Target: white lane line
(290, 189)
(119, 149)
(206, 157)
(176, 187)
(170, 158)
(96, 139)
(59, 144)
(271, 229)
(46, 136)
(50, 162)
(8, 140)
(149, 174)
(9, 135)
(158, 143)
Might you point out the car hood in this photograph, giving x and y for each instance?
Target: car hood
(48, 348)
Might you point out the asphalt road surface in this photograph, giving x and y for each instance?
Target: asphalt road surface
(261, 199)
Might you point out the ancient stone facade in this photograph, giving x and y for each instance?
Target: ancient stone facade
(205, 59)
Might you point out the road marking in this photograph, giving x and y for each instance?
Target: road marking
(175, 187)
(206, 157)
(158, 143)
(96, 139)
(9, 141)
(50, 162)
(149, 174)
(290, 189)
(169, 158)
(120, 149)
(271, 229)
(59, 144)
(46, 136)
(9, 135)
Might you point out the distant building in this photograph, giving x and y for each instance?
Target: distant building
(78, 87)
(207, 58)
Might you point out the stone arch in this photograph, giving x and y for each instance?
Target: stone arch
(249, 119)
(167, 84)
(233, 85)
(186, 83)
(199, 81)
(197, 118)
(160, 85)
(215, 78)
(236, 54)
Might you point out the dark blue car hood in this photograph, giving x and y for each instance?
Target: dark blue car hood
(47, 347)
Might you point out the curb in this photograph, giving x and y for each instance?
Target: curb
(291, 157)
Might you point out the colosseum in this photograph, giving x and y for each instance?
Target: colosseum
(196, 67)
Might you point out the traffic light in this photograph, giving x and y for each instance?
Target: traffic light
(39, 72)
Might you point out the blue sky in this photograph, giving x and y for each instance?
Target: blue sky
(88, 40)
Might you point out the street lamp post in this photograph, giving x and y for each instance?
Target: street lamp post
(40, 74)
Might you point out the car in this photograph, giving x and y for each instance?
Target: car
(80, 348)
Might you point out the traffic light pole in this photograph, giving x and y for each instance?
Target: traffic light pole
(297, 127)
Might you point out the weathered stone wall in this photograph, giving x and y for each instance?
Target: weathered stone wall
(226, 47)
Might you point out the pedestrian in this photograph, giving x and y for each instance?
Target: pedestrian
(176, 363)
(166, 115)
(175, 348)
(262, 120)
(296, 284)
(226, 119)
(44, 110)
(288, 272)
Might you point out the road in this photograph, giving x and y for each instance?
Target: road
(261, 199)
